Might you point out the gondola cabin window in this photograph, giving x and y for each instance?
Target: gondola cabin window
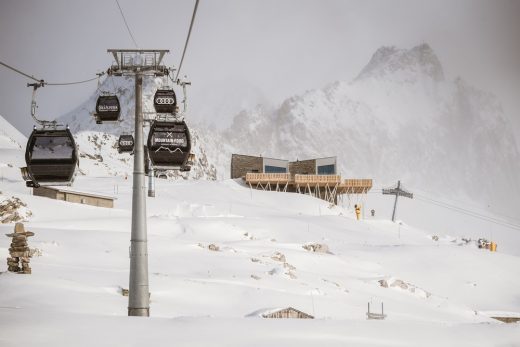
(52, 147)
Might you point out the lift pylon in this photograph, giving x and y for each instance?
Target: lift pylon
(138, 63)
(397, 191)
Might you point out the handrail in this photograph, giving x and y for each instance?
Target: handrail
(254, 176)
(357, 182)
(317, 178)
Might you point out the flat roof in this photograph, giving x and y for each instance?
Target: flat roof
(65, 189)
(257, 156)
(297, 160)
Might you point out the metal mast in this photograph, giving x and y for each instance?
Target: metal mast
(138, 63)
(397, 191)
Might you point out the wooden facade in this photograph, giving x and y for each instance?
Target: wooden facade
(288, 312)
(303, 167)
(75, 196)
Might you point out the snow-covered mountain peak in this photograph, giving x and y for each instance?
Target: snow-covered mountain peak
(404, 65)
(98, 142)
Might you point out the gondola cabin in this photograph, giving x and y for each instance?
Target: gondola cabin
(108, 109)
(125, 144)
(165, 101)
(51, 157)
(169, 145)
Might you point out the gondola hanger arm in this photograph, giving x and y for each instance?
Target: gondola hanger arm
(34, 106)
(184, 82)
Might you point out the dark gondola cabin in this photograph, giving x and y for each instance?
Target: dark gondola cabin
(169, 145)
(107, 109)
(125, 144)
(51, 157)
(165, 101)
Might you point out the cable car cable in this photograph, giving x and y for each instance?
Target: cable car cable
(70, 83)
(470, 213)
(187, 38)
(127, 27)
(43, 83)
(465, 211)
(20, 72)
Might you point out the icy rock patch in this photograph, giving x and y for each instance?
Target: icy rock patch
(317, 248)
(286, 268)
(211, 247)
(405, 286)
(277, 256)
(13, 210)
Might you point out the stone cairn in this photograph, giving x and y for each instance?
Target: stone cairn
(19, 251)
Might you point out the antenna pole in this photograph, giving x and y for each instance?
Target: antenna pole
(138, 296)
(151, 180)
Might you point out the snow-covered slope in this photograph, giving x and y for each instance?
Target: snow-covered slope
(12, 148)
(10, 137)
(399, 119)
(220, 252)
(435, 292)
(97, 143)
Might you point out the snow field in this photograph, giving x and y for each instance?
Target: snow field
(200, 296)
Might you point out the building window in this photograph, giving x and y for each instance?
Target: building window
(274, 169)
(327, 170)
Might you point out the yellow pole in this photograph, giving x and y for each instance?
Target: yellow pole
(358, 211)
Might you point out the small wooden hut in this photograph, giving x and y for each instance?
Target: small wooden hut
(288, 312)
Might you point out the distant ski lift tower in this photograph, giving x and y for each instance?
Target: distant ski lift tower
(397, 191)
(138, 63)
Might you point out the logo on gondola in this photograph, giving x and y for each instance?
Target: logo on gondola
(164, 101)
(126, 143)
(108, 108)
(169, 138)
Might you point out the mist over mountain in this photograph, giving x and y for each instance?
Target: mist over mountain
(399, 119)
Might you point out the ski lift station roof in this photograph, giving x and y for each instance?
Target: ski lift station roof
(75, 196)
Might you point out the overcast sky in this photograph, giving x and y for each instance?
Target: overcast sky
(243, 52)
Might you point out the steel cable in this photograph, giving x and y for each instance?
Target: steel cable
(43, 81)
(126, 23)
(188, 38)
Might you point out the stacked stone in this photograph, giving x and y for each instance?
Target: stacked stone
(19, 251)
